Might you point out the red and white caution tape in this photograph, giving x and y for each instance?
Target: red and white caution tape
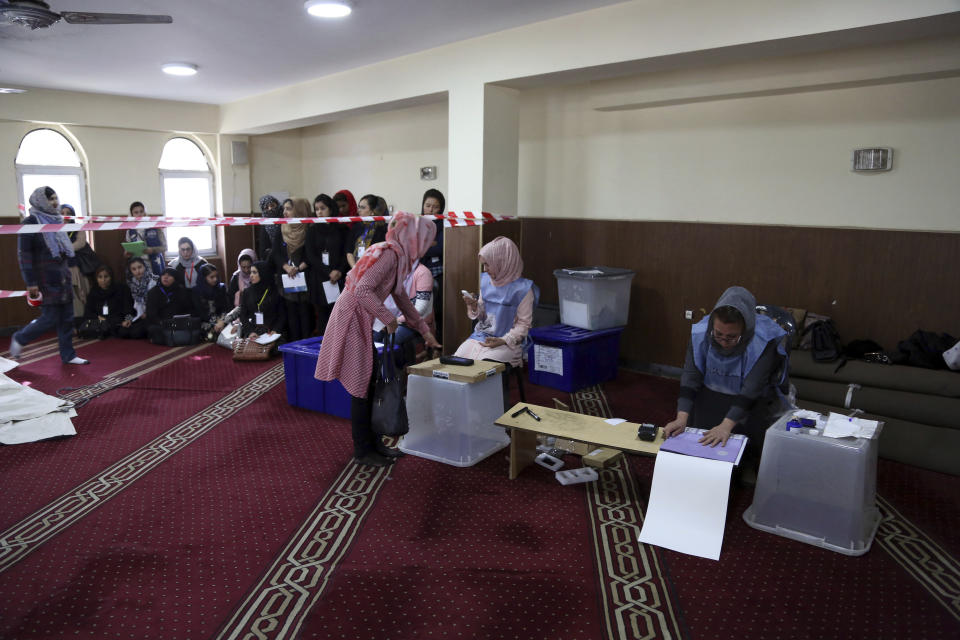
(12, 294)
(111, 223)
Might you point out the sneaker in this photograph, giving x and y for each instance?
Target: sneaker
(374, 459)
(15, 348)
(77, 360)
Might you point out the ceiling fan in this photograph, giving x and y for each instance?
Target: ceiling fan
(37, 15)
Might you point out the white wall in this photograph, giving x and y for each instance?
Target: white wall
(380, 153)
(275, 161)
(766, 159)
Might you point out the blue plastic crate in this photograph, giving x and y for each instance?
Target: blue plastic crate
(569, 358)
(305, 391)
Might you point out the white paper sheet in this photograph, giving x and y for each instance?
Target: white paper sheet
(840, 426)
(688, 505)
(548, 359)
(614, 421)
(267, 338)
(7, 365)
(332, 291)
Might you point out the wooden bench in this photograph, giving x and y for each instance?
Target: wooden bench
(565, 424)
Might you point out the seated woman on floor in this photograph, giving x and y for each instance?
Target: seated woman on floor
(504, 310)
(211, 302)
(140, 280)
(188, 262)
(240, 279)
(165, 301)
(261, 307)
(109, 309)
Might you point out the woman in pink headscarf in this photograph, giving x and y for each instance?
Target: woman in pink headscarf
(504, 310)
(346, 353)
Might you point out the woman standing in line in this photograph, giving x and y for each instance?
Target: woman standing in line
(367, 234)
(347, 352)
(326, 258)
(289, 258)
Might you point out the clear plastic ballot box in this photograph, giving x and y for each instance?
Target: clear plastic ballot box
(451, 410)
(817, 490)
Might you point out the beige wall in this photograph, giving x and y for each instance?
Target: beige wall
(275, 161)
(709, 155)
(380, 153)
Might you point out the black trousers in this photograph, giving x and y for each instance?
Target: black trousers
(299, 319)
(361, 411)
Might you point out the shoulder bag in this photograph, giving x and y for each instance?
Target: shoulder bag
(247, 349)
(389, 416)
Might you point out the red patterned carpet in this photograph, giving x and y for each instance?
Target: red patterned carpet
(195, 503)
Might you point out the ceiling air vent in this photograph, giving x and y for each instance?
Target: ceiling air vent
(868, 160)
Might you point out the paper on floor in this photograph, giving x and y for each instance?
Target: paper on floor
(687, 510)
(7, 365)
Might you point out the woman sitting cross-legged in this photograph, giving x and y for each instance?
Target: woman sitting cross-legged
(109, 309)
(140, 280)
(164, 301)
(261, 307)
(211, 302)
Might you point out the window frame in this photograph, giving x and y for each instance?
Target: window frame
(191, 173)
(50, 169)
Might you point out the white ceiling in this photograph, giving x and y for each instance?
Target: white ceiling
(244, 47)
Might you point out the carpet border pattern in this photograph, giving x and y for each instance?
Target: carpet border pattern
(635, 597)
(278, 604)
(30, 533)
(930, 565)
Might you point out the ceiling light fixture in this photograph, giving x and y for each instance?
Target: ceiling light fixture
(328, 8)
(180, 68)
(11, 90)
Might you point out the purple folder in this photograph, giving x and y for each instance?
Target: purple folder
(686, 444)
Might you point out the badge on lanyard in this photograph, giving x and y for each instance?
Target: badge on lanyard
(360, 251)
(325, 256)
(258, 317)
(106, 310)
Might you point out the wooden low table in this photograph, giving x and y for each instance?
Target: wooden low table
(566, 424)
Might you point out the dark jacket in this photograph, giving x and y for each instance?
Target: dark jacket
(163, 303)
(271, 306)
(210, 303)
(118, 300)
(40, 269)
(324, 238)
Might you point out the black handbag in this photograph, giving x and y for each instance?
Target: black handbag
(87, 260)
(389, 417)
(180, 331)
(94, 328)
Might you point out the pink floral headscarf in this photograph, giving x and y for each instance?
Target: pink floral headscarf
(408, 235)
(504, 264)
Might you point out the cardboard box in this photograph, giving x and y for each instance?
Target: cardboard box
(602, 458)
(479, 370)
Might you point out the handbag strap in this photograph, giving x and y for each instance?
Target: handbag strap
(388, 369)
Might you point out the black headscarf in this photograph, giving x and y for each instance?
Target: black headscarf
(271, 229)
(266, 280)
(203, 289)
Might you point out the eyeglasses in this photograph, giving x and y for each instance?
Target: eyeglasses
(726, 339)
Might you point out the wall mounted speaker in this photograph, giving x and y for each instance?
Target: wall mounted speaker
(428, 173)
(238, 155)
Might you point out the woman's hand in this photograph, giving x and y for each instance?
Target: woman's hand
(470, 301)
(401, 319)
(431, 341)
(392, 327)
(252, 335)
(218, 327)
(335, 275)
(125, 324)
(492, 342)
(351, 260)
(101, 319)
(290, 269)
(676, 427)
(718, 435)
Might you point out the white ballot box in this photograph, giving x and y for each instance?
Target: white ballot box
(816, 489)
(451, 411)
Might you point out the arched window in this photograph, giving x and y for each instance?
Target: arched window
(47, 159)
(186, 186)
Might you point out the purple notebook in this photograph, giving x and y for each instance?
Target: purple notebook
(686, 443)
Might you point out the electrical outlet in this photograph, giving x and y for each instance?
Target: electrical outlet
(688, 314)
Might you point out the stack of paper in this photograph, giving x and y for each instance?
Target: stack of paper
(840, 426)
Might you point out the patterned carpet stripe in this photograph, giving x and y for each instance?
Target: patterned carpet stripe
(31, 532)
(122, 376)
(935, 569)
(278, 604)
(635, 596)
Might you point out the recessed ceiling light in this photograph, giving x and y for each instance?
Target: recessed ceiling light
(11, 90)
(180, 68)
(328, 8)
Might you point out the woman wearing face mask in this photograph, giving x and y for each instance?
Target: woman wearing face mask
(289, 258)
(164, 301)
(366, 234)
(43, 259)
(211, 302)
(328, 262)
(188, 262)
(261, 307)
(266, 234)
(346, 353)
(109, 309)
(140, 280)
(240, 279)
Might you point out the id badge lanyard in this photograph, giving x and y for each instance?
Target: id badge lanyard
(258, 316)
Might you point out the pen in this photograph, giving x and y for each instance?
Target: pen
(535, 416)
(516, 413)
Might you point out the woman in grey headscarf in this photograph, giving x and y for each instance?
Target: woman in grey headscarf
(44, 265)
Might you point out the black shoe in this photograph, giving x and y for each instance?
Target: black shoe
(388, 452)
(373, 459)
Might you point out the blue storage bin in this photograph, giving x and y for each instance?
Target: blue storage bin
(305, 391)
(569, 358)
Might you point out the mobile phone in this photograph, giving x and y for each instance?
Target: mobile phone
(467, 294)
(456, 360)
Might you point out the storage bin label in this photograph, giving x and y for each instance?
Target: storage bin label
(548, 359)
(441, 374)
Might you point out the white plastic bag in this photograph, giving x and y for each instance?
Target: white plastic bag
(227, 336)
(952, 357)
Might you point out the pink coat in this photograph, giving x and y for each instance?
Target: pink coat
(346, 353)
